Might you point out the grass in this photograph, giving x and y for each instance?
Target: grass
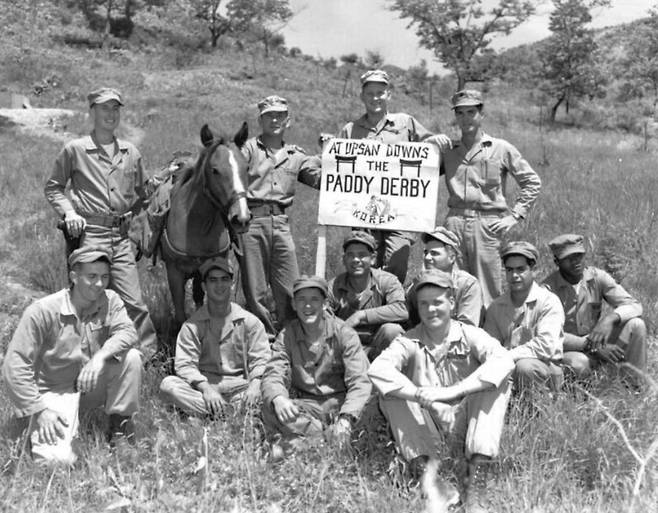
(568, 456)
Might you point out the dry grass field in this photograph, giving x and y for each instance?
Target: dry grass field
(582, 452)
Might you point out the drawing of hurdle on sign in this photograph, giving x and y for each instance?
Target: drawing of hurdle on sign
(413, 164)
(347, 160)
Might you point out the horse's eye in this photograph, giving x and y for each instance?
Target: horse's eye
(215, 171)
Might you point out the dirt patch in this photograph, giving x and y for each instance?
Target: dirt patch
(41, 122)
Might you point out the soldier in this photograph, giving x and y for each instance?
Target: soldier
(440, 252)
(476, 170)
(528, 320)
(316, 378)
(445, 378)
(74, 349)
(369, 300)
(378, 123)
(221, 351)
(590, 336)
(268, 247)
(106, 182)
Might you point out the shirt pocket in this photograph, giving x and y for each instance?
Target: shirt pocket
(458, 360)
(97, 333)
(126, 176)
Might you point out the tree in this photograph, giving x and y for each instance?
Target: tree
(640, 63)
(374, 59)
(569, 67)
(458, 31)
(208, 10)
(263, 18)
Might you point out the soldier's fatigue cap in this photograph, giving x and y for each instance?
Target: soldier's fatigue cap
(89, 254)
(104, 94)
(434, 277)
(362, 238)
(466, 97)
(375, 75)
(221, 263)
(519, 247)
(567, 244)
(273, 104)
(310, 282)
(442, 234)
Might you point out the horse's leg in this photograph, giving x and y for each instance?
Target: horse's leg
(176, 280)
(197, 289)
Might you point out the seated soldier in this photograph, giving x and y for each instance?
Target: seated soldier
(74, 349)
(440, 252)
(369, 300)
(528, 320)
(445, 379)
(317, 375)
(221, 350)
(590, 336)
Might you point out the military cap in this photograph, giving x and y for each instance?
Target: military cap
(567, 244)
(375, 75)
(434, 277)
(442, 234)
(273, 104)
(310, 282)
(89, 254)
(466, 97)
(519, 247)
(221, 263)
(362, 238)
(104, 94)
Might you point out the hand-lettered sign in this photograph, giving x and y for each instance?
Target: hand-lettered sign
(369, 184)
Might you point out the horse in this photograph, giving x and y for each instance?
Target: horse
(208, 208)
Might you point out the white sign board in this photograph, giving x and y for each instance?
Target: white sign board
(369, 184)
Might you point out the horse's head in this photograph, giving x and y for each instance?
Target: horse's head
(223, 172)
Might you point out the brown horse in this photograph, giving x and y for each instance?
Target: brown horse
(208, 205)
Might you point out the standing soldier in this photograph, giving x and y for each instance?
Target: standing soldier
(106, 180)
(379, 124)
(476, 170)
(269, 250)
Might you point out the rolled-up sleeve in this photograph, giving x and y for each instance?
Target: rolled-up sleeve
(188, 353)
(395, 307)
(617, 297)
(19, 365)
(496, 361)
(357, 383)
(310, 170)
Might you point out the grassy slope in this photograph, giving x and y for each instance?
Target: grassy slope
(568, 457)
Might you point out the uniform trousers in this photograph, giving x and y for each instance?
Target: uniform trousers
(315, 414)
(480, 250)
(180, 393)
(269, 258)
(117, 391)
(393, 250)
(472, 426)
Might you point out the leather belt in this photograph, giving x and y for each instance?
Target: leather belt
(469, 212)
(108, 221)
(266, 209)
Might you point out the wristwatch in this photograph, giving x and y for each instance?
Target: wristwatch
(349, 417)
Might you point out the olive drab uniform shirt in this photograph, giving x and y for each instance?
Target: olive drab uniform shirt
(392, 128)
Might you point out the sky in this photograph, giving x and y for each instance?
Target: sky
(331, 28)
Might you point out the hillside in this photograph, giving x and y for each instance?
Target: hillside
(580, 451)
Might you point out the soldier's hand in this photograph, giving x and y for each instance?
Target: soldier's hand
(252, 394)
(503, 225)
(88, 377)
(215, 403)
(611, 353)
(426, 396)
(75, 224)
(340, 431)
(355, 319)
(324, 137)
(50, 426)
(601, 332)
(441, 140)
(285, 409)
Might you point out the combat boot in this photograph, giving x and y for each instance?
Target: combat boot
(477, 486)
(120, 426)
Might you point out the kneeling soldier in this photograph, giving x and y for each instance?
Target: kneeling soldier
(442, 379)
(317, 375)
(369, 300)
(74, 349)
(591, 337)
(221, 351)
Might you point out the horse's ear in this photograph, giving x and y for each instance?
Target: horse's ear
(207, 136)
(242, 135)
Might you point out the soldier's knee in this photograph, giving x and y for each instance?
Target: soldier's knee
(167, 386)
(133, 360)
(637, 328)
(388, 332)
(578, 363)
(530, 368)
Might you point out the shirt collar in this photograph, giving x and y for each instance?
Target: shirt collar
(561, 283)
(342, 284)
(386, 120)
(90, 143)
(533, 295)
(67, 309)
(236, 313)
